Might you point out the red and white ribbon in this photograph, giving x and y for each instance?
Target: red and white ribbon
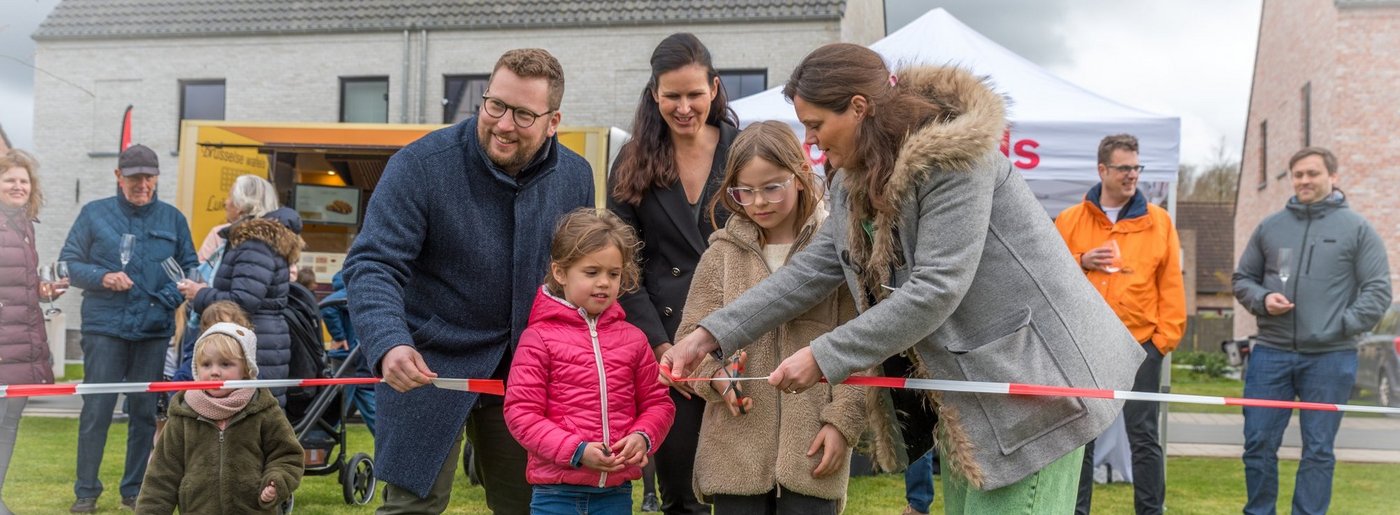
(490, 386)
(497, 387)
(1087, 393)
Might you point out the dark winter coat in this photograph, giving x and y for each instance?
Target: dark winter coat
(201, 469)
(449, 259)
(93, 249)
(255, 276)
(672, 242)
(24, 345)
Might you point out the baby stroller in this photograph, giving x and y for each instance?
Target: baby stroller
(318, 413)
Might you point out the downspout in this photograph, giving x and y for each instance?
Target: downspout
(403, 88)
(422, 75)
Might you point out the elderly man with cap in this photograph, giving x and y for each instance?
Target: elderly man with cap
(127, 312)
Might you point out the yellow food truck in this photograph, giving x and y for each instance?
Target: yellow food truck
(326, 171)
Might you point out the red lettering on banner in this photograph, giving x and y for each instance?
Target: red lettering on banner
(1025, 149)
(1026, 157)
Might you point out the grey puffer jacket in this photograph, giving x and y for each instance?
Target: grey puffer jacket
(24, 347)
(1340, 281)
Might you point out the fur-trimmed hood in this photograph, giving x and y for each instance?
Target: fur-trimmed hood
(971, 125)
(277, 237)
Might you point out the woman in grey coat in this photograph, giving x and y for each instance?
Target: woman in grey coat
(947, 252)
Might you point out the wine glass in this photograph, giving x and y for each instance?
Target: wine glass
(1285, 267)
(1116, 264)
(172, 270)
(60, 272)
(128, 241)
(194, 276)
(46, 280)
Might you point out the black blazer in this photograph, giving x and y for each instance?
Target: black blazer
(673, 241)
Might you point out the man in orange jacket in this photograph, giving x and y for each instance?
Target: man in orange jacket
(1129, 250)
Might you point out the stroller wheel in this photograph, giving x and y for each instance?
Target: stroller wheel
(357, 480)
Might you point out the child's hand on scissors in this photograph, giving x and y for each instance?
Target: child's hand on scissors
(598, 457)
(632, 450)
(739, 404)
(269, 493)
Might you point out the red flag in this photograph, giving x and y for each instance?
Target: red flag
(126, 131)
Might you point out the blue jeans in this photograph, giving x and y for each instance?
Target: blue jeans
(918, 483)
(581, 500)
(362, 398)
(1283, 375)
(114, 360)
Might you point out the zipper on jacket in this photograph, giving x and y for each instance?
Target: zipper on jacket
(602, 384)
(1307, 226)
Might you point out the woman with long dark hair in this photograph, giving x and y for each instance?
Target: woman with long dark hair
(663, 181)
(952, 261)
(23, 340)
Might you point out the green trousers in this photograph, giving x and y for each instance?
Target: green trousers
(1053, 489)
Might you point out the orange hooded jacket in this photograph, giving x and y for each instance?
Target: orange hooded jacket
(1148, 295)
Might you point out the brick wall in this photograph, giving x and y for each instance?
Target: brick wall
(1351, 59)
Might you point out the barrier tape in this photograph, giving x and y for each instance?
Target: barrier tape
(497, 387)
(943, 385)
(489, 386)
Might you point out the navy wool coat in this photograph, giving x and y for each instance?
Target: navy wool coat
(449, 259)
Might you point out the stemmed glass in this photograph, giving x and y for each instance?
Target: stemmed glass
(46, 286)
(128, 241)
(1285, 267)
(172, 270)
(60, 272)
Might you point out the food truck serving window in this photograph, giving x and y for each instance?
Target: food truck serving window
(328, 204)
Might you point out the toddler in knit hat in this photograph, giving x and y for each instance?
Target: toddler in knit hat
(242, 431)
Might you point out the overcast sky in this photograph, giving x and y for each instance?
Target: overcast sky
(1188, 58)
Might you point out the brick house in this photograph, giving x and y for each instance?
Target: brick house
(399, 61)
(1325, 75)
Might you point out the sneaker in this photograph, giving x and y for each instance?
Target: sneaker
(650, 503)
(84, 505)
(129, 503)
(909, 510)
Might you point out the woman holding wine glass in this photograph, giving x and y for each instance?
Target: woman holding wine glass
(23, 341)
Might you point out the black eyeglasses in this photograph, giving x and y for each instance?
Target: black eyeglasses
(523, 118)
(1125, 168)
(772, 193)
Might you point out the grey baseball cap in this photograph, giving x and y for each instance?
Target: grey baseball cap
(138, 160)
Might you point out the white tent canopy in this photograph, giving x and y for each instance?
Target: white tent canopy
(1055, 125)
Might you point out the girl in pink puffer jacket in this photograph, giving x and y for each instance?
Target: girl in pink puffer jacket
(583, 396)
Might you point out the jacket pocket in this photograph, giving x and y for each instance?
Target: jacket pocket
(427, 333)
(159, 246)
(1018, 354)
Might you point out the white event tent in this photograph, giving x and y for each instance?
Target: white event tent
(1055, 125)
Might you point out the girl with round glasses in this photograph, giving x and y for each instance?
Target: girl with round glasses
(796, 445)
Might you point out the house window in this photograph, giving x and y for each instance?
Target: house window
(364, 99)
(201, 100)
(1307, 114)
(1263, 154)
(742, 83)
(461, 96)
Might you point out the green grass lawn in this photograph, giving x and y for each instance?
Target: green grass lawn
(41, 481)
